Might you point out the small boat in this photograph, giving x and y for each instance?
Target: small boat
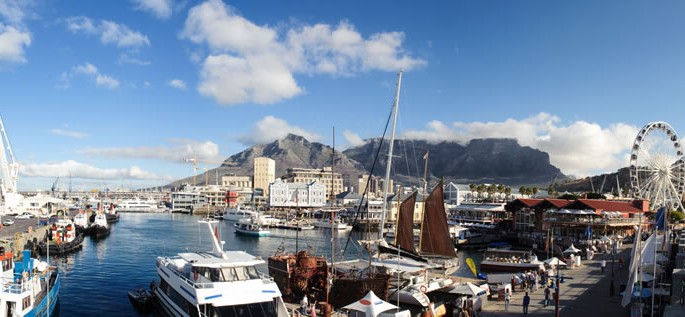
(141, 299)
(250, 228)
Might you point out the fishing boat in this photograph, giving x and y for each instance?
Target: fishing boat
(250, 228)
(63, 238)
(215, 283)
(299, 275)
(509, 261)
(30, 287)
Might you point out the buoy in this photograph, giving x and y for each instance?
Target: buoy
(423, 288)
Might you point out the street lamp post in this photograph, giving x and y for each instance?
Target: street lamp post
(613, 255)
(556, 297)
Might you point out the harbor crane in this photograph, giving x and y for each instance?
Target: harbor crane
(10, 172)
(195, 161)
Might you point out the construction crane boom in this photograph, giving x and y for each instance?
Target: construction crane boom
(195, 161)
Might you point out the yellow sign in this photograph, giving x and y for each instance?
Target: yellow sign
(472, 266)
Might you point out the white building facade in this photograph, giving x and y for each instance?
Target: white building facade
(296, 195)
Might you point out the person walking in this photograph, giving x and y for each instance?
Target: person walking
(526, 302)
(304, 303)
(603, 264)
(547, 293)
(507, 299)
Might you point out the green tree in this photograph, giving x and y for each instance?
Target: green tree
(507, 192)
(675, 216)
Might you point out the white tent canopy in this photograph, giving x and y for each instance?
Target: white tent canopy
(554, 261)
(468, 289)
(370, 305)
(572, 249)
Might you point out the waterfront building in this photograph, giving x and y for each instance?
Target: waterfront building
(264, 174)
(575, 219)
(482, 213)
(330, 180)
(299, 195)
(373, 185)
(186, 201)
(347, 198)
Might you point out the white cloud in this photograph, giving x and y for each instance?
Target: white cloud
(160, 8)
(91, 71)
(109, 32)
(76, 169)
(69, 133)
(14, 11)
(178, 151)
(177, 83)
(128, 59)
(253, 63)
(580, 148)
(271, 128)
(353, 139)
(13, 41)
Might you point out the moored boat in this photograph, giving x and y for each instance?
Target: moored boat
(215, 283)
(63, 238)
(30, 287)
(509, 261)
(141, 299)
(250, 228)
(239, 213)
(100, 227)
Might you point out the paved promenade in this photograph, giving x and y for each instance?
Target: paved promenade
(584, 293)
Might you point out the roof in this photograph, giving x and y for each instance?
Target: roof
(597, 205)
(606, 205)
(348, 195)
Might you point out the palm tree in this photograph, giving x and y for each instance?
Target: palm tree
(534, 191)
(522, 190)
(480, 189)
(472, 187)
(507, 192)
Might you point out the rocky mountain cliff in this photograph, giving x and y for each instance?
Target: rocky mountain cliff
(501, 161)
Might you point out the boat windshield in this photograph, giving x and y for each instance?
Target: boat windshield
(229, 274)
(247, 310)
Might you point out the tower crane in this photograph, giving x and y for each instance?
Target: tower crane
(195, 161)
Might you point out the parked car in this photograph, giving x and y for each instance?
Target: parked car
(23, 216)
(8, 222)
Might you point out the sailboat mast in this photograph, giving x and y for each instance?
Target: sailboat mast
(390, 148)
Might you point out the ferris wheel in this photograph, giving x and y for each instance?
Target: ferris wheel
(657, 171)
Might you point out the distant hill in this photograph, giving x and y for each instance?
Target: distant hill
(501, 161)
(604, 183)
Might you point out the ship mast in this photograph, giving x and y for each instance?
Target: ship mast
(390, 148)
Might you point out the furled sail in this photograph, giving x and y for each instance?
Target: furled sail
(404, 229)
(435, 236)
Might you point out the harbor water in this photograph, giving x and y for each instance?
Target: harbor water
(96, 279)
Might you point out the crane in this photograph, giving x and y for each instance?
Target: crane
(195, 161)
(10, 171)
(54, 186)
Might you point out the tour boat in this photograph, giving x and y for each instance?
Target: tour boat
(239, 213)
(509, 261)
(215, 283)
(30, 287)
(250, 228)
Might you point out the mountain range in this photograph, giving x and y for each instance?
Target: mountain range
(500, 161)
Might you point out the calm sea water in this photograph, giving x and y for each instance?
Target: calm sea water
(96, 279)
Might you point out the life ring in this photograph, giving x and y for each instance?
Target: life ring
(423, 288)
(195, 276)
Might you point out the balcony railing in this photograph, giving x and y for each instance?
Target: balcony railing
(593, 220)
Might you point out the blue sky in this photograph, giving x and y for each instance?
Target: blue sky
(118, 93)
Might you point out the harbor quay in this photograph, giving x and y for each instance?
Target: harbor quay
(586, 291)
(14, 237)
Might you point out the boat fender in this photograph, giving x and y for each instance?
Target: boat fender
(423, 288)
(195, 276)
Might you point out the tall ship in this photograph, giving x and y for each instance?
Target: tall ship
(215, 283)
(29, 289)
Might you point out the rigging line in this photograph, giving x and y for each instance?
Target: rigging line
(368, 181)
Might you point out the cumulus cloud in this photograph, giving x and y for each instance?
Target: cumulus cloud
(271, 128)
(13, 41)
(178, 151)
(160, 8)
(69, 133)
(76, 169)
(14, 11)
(177, 83)
(255, 63)
(353, 139)
(91, 71)
(109, 32)
(578, 148)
